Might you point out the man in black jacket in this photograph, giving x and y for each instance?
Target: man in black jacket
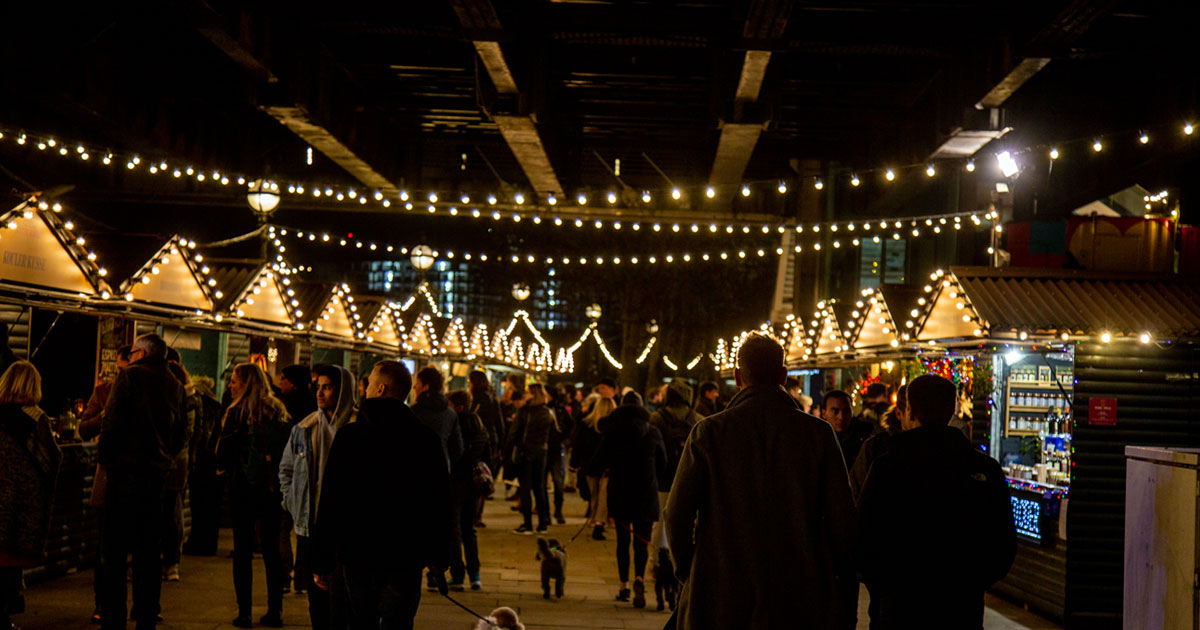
(381, 543)
(142, 430)
(936, 486)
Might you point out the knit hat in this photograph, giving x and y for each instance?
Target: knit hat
(680, 388)
(298, 375)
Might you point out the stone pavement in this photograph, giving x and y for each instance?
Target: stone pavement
(204, 599)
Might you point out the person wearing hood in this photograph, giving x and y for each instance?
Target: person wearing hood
(433, 410)
(301, 471)
(760, 518)
(528, 441)
(380, 543)
(674, 421)
(632, 452)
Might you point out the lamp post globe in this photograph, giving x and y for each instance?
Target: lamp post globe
(422, 257)
(263, 197)
(652, 326)
(520, 291)
(593, 311)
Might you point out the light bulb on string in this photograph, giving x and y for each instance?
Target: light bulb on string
(745, 190)
(675, 194)
(710, 192)
(970, 166)
(818, 184)
(854, 181)
(612, 197)
(1097, 146)
(491, 200)
(519, 198)
(645, 196)
(930, 171)
(1144, 138)
(552, 200)
(890, 175)
(782, 188)
(1188, 129)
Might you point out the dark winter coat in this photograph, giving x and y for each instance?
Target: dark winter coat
(251, 452)
(530, 430)
(299, 402)
(484, 405)
(564, 426)
(760, 520)
(674, 423)
(475, 447)
(433, 410)
(386, 498)
(193, 408)
(28, 476)
(205, 436)
(633, 454)
(930, 580)
(706, 407)
(144, 425)
(871, 450)
(584, 444)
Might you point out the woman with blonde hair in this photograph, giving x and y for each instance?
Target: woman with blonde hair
(254, 433)
(587, 440)
(27, 479)
(528, 441)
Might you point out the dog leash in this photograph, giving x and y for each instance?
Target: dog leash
(472, 612)
(638, 536)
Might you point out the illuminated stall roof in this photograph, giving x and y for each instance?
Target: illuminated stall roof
(1012, 303)
(176, 275)
(827, 336)
(269, 298)
(339, 315)
(944, 312)
(454, 338)
(871, 323)
(794, 341)
(385, 328)
(39, 249)
(422, 338)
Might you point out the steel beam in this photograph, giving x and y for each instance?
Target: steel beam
(299, 122)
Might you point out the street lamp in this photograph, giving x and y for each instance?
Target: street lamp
(520, 291)
(422, 257)
(263, 197)
(652, 326)
(593, 311)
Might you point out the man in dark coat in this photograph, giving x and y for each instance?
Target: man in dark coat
(837, 410)
(142, 431)
(708, 399)
(433, 410)
(932, 474)
(760, 519)
(383, 544)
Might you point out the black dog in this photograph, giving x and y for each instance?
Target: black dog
(554, 565)
(666, 585)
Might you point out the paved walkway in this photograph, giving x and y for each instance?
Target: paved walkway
(204, 599)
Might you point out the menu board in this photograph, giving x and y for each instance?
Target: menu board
(111, 335)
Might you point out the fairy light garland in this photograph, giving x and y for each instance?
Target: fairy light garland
(75, 245)
(1007, 160)
(193, 261)
(646, 351)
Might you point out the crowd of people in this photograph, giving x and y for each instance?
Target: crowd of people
(724, 491)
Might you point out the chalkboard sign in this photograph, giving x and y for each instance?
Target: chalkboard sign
(111, 334)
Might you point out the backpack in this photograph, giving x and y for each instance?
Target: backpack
(485, 484)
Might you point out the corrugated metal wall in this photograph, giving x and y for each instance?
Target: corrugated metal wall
(1158, 394)
(16, 318)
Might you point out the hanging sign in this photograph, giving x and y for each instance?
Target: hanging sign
(1102, 412)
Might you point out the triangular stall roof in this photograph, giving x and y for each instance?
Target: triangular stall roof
(39, 249)
(454, 338)
(422, 338)
(385, 328)
(338, 316)
(1010, 301)
(265, 299)
(947, 312)
(829, 338)
(872, 324)
(175, 276)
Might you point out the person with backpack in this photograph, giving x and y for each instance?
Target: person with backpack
(466, 492)
(674, 420)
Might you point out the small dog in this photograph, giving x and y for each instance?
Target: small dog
(504, 618)
(554, 565)
(666, 585)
